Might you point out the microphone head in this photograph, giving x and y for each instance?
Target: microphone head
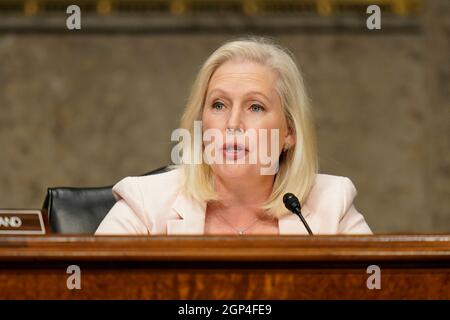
(291, 202)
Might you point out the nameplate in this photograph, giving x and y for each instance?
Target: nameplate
(20, 222)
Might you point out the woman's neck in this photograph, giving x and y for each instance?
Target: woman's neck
(240, 198)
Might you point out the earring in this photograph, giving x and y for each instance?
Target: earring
(286, 147)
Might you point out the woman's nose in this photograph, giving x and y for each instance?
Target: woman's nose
(235, 119)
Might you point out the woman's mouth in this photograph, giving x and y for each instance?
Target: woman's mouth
(234, 151)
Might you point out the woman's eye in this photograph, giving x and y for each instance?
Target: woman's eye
(218, 105)
(256, 108)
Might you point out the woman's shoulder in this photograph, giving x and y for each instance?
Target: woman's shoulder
(153, 185)
(331, 201)
(141, 202)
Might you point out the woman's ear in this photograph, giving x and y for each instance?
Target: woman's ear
(290, 137)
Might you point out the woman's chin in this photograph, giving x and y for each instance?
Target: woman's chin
(235, 170)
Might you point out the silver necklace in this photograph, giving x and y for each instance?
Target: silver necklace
(239, 231)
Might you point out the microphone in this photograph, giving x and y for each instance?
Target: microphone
(292, 204)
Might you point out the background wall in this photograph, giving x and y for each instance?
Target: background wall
(86, 109)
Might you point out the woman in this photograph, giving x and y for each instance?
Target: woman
(245, 86)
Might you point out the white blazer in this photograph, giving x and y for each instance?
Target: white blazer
(152, 205)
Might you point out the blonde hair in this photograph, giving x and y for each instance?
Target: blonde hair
(298, 166)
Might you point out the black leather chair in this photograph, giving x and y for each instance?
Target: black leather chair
(80, 210)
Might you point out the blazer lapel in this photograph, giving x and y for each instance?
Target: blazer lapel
(192, 215)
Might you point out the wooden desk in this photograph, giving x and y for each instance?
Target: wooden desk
(323, 267)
